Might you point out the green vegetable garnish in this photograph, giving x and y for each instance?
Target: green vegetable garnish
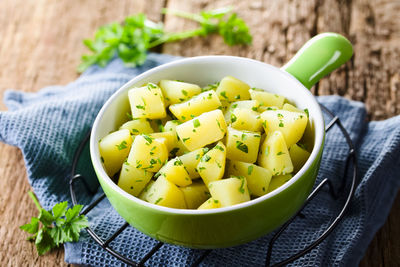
(131, 40)
(56, 226)
(241, 146)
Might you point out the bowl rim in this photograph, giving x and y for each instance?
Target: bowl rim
(99, 169)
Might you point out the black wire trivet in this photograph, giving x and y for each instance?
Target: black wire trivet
(351, 158)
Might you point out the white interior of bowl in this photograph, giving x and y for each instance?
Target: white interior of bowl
(202, 71)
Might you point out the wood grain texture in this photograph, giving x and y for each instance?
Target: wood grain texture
(41, 45)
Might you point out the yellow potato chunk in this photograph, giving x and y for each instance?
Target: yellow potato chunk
(274, 154)
(178, 148)
(267, 99)
(137, 126)
(171, 125)
(242, 145)
(195, 106)
(258, 178)
(147, 102)
(230, 191)
(292, 108)
(133, 180)
(205, 129)
(290, 124)
(164, 193)
(212, 164)
(145, 192)
(148, 153)
(114, 148)
(175, 172)
(210, 204)
(170, 138)
(190, 161)
(246, 119)
(195, 194)
(177, 92)
(278, 181)
(232, 89)
(298, 156)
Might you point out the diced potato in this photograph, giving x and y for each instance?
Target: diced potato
(133, 180)
(267, 99)
(274, 154)
(170, 138)
(205, 129)
(230, 191)
(148, 153)
(210, 204)
(298, 156)
(164, 193)
(145, 192)
(278, 181)
(258, 178)
(171, 125)
(292, 108)
(246, 119)
(212, 164)
(290, 124)
(176, 91)
(242, 145)
(191, 159)
(147, 102)
(195, 194)
(232, 89)
(114, 148)
(204, 102)
(137, 126)
(175, 172)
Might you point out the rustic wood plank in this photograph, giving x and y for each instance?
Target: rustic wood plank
(41, 45)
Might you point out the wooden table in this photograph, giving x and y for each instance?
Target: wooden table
(41, 44)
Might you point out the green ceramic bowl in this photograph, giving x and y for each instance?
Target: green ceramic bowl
(244, 222)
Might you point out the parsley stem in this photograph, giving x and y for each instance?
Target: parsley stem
(173, 37)
(35, 200)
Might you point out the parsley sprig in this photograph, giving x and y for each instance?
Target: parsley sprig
(56, 226)
(131, 40)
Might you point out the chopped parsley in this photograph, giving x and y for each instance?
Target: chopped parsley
(254, 108)
(306, 111)
(178, 162)
(129, 116)
(196, 123)
(234, 106)
(148, 138)
(241, 188)
(219, 126)
(233, 118)
(201, 168)
(216, 201)
(242, 146)
(210, 87)
(280, 153)
(264, 124)
(219, 147)
(158, 200)
(184, 92)
(153, 161)
(133, 130)
(243, 137)
(237, 97)
(151, 86)
(183, 117)
(281, 124)
(250, 169)
(139, 107)
(122, 145)
(205, 158)
(223, 94)
(185, 139)
(280, 115)
(209, 96)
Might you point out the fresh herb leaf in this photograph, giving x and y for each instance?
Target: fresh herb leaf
(233, 118)
(223, 94)
(242, 146)
(250, 169)
(205, 158)
(122, 145)
(306, 111)
(56, 226)
(148, 138)
(196, 123)
(140, 107)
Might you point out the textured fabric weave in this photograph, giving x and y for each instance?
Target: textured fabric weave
(49, 125)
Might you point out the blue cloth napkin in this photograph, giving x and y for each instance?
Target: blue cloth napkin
(49, 125)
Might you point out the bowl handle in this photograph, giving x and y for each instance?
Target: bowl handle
(318, 57)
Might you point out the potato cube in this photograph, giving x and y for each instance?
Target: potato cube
(170, 138)
(210, 204)
(230, 191)
(290, 124)
(267, 99)
(114, 148)
(137, 126)
(133, 180)
(246, 119)
(145, 192)
(242, 145)
(171, 125)
(278, 181)
(164, 193)
(248, 104)
(177, 92)
(204, 102)
(258, 178)
(191, 159)
(212, 164)
(298, 156)
(148, 153)
(274, 154)
(147, 102)
(175, 172)
(195, 194)
(205, 129)
(292, 108)
(232, 89)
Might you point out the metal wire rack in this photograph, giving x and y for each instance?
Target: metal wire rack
(350, 167)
